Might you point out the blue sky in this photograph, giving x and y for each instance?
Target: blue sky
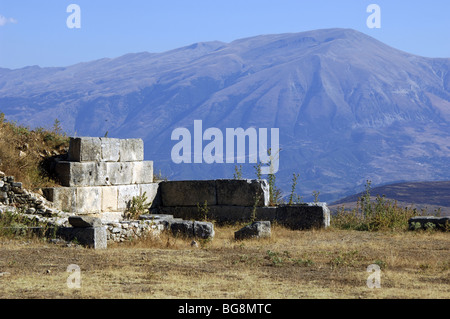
(35, 32)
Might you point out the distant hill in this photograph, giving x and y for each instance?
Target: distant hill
(421, 195)
(348, 107)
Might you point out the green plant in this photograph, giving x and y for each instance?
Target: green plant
(203, 211)
(376, 215)
(274, 258)
(137, 206)
(316, 197)
(237, 172)
(293, 196)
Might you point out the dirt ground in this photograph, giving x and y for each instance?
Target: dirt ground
(290, 265)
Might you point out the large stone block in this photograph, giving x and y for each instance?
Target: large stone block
(429, 223)
(101, 149)
(131, 150)
(151, 192)
(62, 198)
(88, 200)
(73, 174)
(92, 237)
(85, 149)
(244, 192)
(110, 149)
(258, 229)
(188, 193)
(142, 172)
(110, 199)
(305, 216)
(126, 194)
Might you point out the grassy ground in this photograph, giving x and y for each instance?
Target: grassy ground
(292, 264)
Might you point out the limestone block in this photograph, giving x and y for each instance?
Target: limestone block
(92, 237)
(131, 150)
(152, 192)
(142, 172)
(85, 149)
(182, 228)
(125, 195)
(245, 192)
(88, 200)
(304, 216)
(84, 221)
(258, 229)
(110, 149)
(73, 174)
(429, 222)
(204, 230)
(109, 199)
(63, 198)
(188, 193)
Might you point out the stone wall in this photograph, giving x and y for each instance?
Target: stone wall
(101, 176)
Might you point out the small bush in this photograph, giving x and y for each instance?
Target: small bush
(137, 206)
(369, 215)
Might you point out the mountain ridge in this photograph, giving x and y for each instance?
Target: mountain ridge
(349, 108)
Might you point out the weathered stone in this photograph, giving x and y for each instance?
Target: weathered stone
(84, 221)
(88, 200)
(110, 149)
(131, 150)
(182, 228)
(301, 217)
(109, 199)
(73, 174)
(125, 195)
(258, 229)
(92, 237)
(243, 192)
(429, 222)
(188, 193)
(85, 149)
(204, 230)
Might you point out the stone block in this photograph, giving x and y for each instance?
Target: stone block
(110, 148)
(258, 229)
(188, 193)
(204, 230)
(84, 221)
(184, 228)
(152, 192)
(142, 172)
(305, 216)
(85, 149)
(131, 150)
(125, 195)
(73, 174)
(109, 199)
(429, 222)
(62, 198)
(244, 192)
(92, 237)
(88, 200)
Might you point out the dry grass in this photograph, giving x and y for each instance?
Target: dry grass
(292, 264)
(23, 151)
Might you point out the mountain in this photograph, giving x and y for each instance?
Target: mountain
(348, 107)
(430, 196)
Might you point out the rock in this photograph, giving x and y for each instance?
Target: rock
(183, 228)
(242, 192)
(259, 229)
(429, 222)
(194, 244)
(84, 221)
(4, 274)
(203, 230)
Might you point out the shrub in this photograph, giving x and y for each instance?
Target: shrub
(369, 215)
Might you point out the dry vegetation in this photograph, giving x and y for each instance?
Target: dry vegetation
(23, 151)
(292, 264)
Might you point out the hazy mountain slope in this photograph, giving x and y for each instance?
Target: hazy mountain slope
(430, 196)
(349, 108)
